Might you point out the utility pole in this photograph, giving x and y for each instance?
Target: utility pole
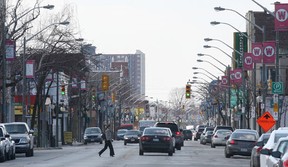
(3, 60)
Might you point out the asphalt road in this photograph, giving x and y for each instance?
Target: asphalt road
(192, 154)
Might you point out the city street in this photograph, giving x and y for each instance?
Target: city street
(192, 154)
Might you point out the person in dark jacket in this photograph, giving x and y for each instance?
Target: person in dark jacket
(108, 136)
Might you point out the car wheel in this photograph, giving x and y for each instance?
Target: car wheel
(3, 158)
(125, 143)
(13, 155)
(141, 152)
(226, 154)
(212, 145)
(27, 154)
(32, 152)
(101, 142)
(204, 143)
(170, 153)
(85, 142)
(173, 149)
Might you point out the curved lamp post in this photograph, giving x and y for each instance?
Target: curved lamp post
(201, 55)
(203, 74)
(208, 46)
(217, 23)
(198, 68)
(198, 60)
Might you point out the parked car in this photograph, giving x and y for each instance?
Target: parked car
(206, 137)
(248, 130)
(202, 135)
(273, 139)
(157, 139)
(217, 127)
(279, 149)
(283, 160)
(7, 146)
(11, 143)
(132, 136)
(220, 137)
(179, 137)
(187, 134)
(120, 134)
(199, 131)
(23, 137)
(255, 154)
(93, 134)
(240, 143)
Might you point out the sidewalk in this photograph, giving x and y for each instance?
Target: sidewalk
(60, 146)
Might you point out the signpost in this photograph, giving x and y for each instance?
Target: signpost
(277, 87)
(266, 121)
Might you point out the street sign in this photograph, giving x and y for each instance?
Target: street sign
(277, 87)
(266, 121)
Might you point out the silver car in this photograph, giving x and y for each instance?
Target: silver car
(220, 137)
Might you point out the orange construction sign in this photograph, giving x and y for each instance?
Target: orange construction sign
(266, 121)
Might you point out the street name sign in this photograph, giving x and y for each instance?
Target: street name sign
(266, 121)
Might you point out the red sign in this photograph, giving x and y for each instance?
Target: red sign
(281, 17)
(266, 121)
(248, 61)
(257, 52)
(269, 52)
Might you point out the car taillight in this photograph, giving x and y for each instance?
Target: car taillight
(178, 133)
(144, 138)
(258, 150)
(285, 163)
(232, 142)
(167, 138)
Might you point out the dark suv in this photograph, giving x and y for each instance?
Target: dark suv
(179, 137)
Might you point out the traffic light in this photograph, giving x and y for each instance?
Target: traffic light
(269, 83)
(62, 89)
(105, 82)
(93, 94)
(188, 91)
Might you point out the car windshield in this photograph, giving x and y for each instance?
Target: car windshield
(156, 132)
(224, 133)
(187, 132)
(16, 128)
(92, 130)
(209, 132)
(121, 131)
(278, 136)
(244, 136)
(132, 132)
(173, 127)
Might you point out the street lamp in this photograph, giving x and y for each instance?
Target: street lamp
(200, 78)
(203, 74)
(201, 54)
(24, 65)
(217, 23)
(196, 68)
(198, 60)
(208, 46)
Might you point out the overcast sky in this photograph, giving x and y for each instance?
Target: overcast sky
(169, 32)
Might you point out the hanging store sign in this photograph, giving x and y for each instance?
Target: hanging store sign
(240, 45)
